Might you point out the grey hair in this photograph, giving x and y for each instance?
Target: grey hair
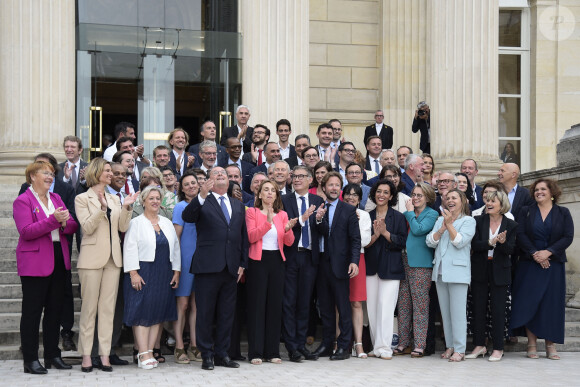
(258, 173)
(300, 137)
(153, 171)
(207, 144)
(303, 168)
(145, 193)
(273, 165)
(411, 159)
(422, 104)
(385, 151)
(449, 173)
(242, 107)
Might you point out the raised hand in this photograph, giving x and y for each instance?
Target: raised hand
(291, 223)
(82, 174)
(447, 217)
(190, 160)
(270, 214)
(500, 238)
(67, 171)
(409, 205)
(309, 211)
(254, 153)
(61, 216)
(379, 226)
(102, 200)
(205, 188)
(320, 212)
(178, 162)
(130, 199)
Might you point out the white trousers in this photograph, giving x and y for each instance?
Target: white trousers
(381, 302)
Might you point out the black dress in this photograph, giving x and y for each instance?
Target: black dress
(155, 302)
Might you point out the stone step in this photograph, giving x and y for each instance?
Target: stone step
(11, 321)
(14, 305)
(8, 242)
(11, 278)
(5, 211)
(12, 352)
(572, 315)
(14, 291)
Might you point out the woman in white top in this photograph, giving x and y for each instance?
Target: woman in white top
(152, 259)
(392, 173)
(352, 194)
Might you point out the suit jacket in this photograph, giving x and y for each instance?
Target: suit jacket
(291, 208)
(35, 251)
(560, 239)
(219, 245)
(222, 155)
(342, 238)
(100, 237)
(258, 225)
(386, 135)
(370, 167)
(292, 151)
(522, 198)
(453, 256)
(292, 161)
(246, 167)
(248, 178)
(60, 174)
(173, 162)
(66, 193)
(502, 263)
(418, 253)
(409, 184)
(422, 126)
(232, 131)
(479, 202)
(385, 258)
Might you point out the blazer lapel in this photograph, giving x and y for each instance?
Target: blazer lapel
(337, 213)
(294, 206)
(213, 201)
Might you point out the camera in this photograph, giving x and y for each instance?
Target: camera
(421, 112)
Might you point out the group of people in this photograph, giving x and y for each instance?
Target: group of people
(202, 239)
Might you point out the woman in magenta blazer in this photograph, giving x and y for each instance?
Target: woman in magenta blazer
(268, 231)
(42, 221)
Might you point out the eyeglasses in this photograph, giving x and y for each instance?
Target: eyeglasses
(349, 150)
(379, 115)
(235, 146)
(310, 156)
(354, 173)
(219, 172)
(299, 177)
(416, 195)
(444, 181)
(390, 177)
(166, 175)
(260, 132)
(45, 173)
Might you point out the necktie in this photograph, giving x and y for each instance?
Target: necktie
(377, 168)
(120, 197)
(224, 209)
(73, 175)
(305, 237)
(127, 187)
(260, 156)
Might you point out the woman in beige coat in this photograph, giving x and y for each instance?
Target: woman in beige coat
(101, 218)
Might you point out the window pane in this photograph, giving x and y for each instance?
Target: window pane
(509, 74)
(509, 117)
(509, 151)
(510, 28)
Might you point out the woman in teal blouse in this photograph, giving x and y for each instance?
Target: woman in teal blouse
(418, 261)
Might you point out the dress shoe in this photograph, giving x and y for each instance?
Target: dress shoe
(106, 368)
(96, 360)
(295, 356)
(340, 354)
(116, 360)
(67, 341)
(207, 363)
(307, 354)
(34, 367)
(226, 362)
(322, 351)
(57, 362)
(238, 358)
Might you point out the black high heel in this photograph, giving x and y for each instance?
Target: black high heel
(57, 362)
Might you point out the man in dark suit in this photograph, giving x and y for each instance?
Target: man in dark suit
(518, 196)
(218, 263)
(234, 150)
(284, 130)
(260, 137)
(125, 144)
(272, 152)
(301, 142)
(207, 132)
(413, 173)
(179, 159)
(373, 158)
(242, 132)
(67, 194)
(234, 174)
(469, 167)
(72, 170)
(422, 124)
(301, 264)
(379, 128)
(337, 224)
(126, 159)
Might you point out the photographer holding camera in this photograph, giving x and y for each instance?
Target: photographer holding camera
(422, 122)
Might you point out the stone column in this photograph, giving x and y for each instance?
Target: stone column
(37, 81)
(275, 62)
(404, 65)
(464, 77)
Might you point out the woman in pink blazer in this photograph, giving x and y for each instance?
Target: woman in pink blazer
(268, 231)
(42, 221)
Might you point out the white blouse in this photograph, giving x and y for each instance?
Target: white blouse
(48, 211)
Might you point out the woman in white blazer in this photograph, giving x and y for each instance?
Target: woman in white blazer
(451, 238)
(152, 263)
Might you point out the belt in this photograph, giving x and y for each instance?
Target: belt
(303, 249)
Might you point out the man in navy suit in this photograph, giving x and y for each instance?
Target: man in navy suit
(301, 142)
(234, 150)
(469, 167)
(234, 174)
(72, 170)
(379, 128)
(272, 152)
(284, 130)
(126, 159)
(218, 263)
(518, 196)
(179, 159)
(413, 173)
(337, 224)
(207, 132)
(301, 264)
(241, 132)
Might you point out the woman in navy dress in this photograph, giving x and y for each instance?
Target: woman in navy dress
(539, 289)
(152, 263)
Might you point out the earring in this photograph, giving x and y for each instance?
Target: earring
(552, 198)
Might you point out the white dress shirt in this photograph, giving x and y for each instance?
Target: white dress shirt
(75, 171)
(299, 204)
(217, 197)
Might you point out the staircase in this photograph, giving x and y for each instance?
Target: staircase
(11, 293)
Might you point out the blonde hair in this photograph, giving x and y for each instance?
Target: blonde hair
(503, 200)
(147, 191)
(95, 170)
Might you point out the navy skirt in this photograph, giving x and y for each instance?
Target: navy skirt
(155, 302)
(539, 300)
